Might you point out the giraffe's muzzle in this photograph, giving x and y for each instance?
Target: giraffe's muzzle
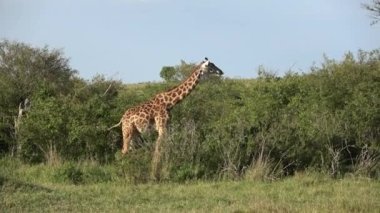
(214, 69)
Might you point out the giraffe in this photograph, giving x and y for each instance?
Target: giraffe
(138, 119)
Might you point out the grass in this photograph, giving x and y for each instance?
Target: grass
(34, 189)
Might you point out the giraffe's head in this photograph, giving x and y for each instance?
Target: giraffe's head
(210, 68)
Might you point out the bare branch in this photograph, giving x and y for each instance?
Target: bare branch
(109, 87)
(374, 9)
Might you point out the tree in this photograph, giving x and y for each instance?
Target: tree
(167, 73)
(374, 9)
(26, 73)
(178, 72)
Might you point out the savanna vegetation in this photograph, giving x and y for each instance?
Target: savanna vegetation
(324, 122)
(41, 188)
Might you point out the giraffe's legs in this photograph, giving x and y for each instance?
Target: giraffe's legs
(127, 137)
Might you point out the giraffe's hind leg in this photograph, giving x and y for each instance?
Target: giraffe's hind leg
(128, 131)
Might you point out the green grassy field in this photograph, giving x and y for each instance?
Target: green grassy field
(31, 189)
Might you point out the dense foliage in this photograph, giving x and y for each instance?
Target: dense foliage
(327, 119)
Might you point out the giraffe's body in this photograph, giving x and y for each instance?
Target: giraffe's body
(138, 119)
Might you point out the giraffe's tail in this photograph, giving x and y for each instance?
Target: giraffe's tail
(116, 125)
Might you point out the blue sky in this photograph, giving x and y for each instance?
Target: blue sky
(130, 40)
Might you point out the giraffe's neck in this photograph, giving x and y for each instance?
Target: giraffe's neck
(184, 89)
